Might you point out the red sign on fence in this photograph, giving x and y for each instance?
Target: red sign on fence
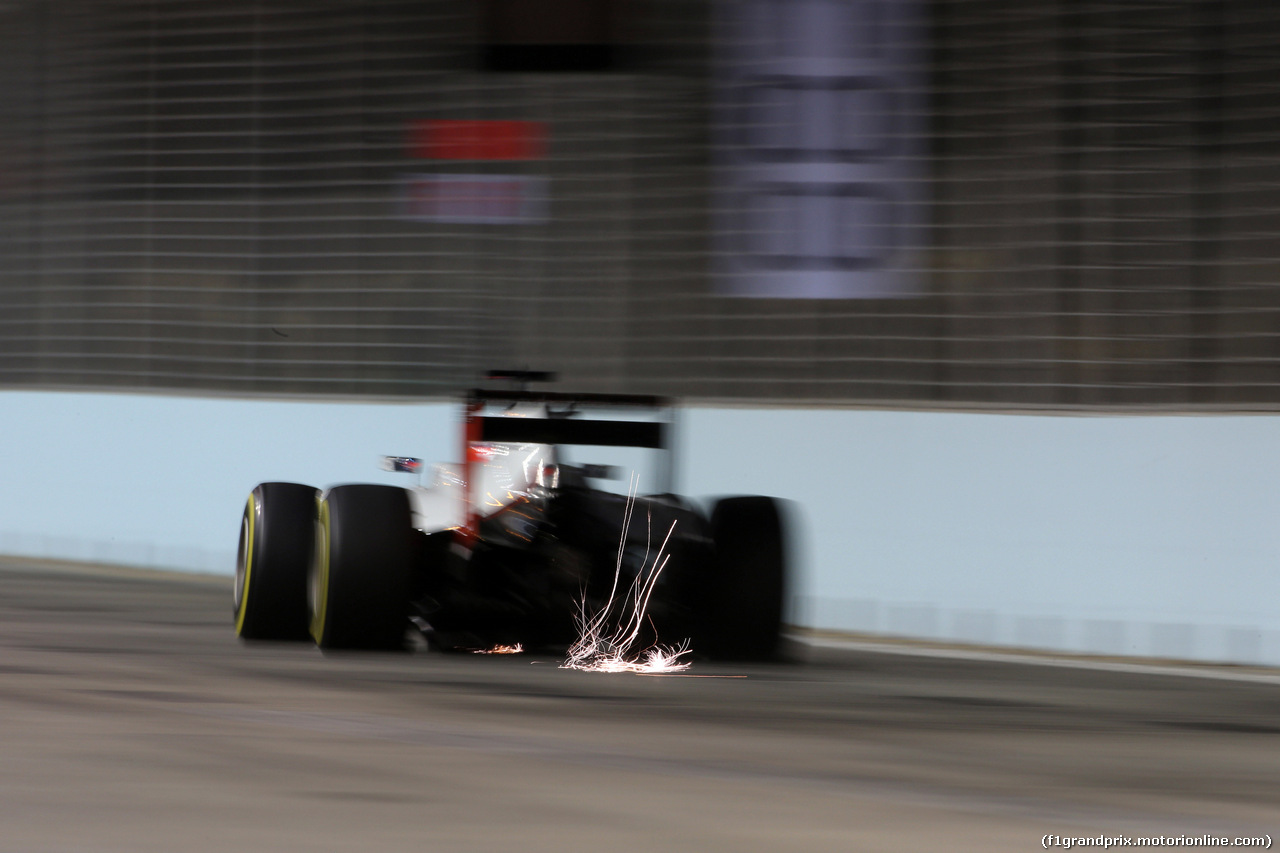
(458, 139)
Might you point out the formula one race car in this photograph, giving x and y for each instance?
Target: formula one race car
(515, 543)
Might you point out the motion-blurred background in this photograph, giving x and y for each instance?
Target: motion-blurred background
(802, 208)
(1051, 203)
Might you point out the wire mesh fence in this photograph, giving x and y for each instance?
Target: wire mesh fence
(1055, 203)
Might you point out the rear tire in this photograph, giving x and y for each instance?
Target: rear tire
(276, 537)
(358, 586)
(746, 596)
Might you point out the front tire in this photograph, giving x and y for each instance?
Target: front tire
(359, 578)
(276, 536)
(746, 597)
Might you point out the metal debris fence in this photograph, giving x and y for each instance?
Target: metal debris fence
(223, 197)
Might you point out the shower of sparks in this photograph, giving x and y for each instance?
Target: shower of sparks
(602, 647)
(501, 650)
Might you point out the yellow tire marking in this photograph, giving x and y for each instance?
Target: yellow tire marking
(251, 511)
(321, 603)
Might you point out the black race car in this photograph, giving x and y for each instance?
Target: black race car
(516, 544)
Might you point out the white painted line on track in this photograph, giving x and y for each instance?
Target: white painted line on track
(1182, 671)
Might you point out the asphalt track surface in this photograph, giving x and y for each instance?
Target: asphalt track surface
(131, 719)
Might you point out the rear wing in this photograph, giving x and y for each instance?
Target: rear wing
(562, 426)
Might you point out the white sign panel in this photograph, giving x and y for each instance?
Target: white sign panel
(819, 137)
(472, 199)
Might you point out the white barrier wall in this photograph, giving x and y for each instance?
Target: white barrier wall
(1144, 535)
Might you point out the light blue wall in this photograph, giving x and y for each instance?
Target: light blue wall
(161, 481)
(1145, 535)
